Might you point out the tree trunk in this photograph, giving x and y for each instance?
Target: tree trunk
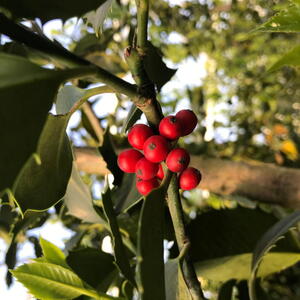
(257, 181)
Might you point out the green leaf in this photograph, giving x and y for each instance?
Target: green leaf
(119, 249)
(230, 239)
(78, 199)
(96, 18)
(52, 253)
(108, 153)
(151, 281)
(67, 96)
(226, 290)
(287, 20)
(50, 281)
(133, 115)
(176, 287)
(266, 242)
(51, 9)
(156, 69)
(126, 195)
(291, 58)
(43, 180)
(238, 266)
(93, 266)
(22, 113)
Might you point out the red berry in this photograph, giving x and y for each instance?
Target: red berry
(160, 174)
(138, 134)
(146, 186)
(156, 148)
(189, 178)
(170, 128)
(146, 169)
(177, 160)
(188, 119)
(128, 159)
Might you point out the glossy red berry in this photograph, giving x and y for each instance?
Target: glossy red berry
(128, 159)
(138, 134)
(160, 174)
(188, 119)
(146, 186)
(189, 178)
(170, 127)
(146, 169)
(156, 148)
(177, 160)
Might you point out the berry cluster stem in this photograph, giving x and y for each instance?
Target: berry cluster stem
(176, 211)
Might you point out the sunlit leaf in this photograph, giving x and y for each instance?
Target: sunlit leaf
(52, 253)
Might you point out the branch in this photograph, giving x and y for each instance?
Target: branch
(261, 182)
(142, 21)
(176, 211)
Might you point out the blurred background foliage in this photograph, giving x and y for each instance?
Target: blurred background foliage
(244, 113)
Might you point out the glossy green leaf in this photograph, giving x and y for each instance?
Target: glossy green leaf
(26, 92)
(52, 253)
(109, 155)
(50, 281)
(291, 58)
(156, 69)
(78, 199)
(239, 266)
(266, 242)
(93, 266)
(151, 281)
(44, 178)
(50, 9)
(121, 257)
(230, 239)
(133, 115)
(176, 287)
(287, 20)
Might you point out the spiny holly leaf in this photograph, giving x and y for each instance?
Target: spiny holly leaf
(53, 254)
(93, 266)
(108, 153)
(266, 242)
(44, 178)
(50, 281)
(151, 281)
(27, 93)
(119, 249)
(51, 9)
(287, 20)
(156, 69)
(291, 58)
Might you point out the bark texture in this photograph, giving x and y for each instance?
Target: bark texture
(257, 181)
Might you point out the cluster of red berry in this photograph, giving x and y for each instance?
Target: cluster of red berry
(156, 149)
